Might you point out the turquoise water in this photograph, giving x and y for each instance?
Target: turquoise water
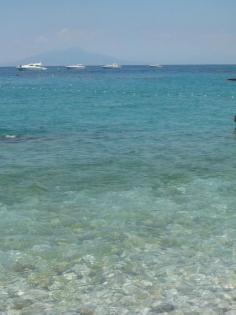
(118, 191)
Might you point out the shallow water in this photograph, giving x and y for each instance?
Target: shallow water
(117, 191)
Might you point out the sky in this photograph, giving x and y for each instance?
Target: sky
(143, 31)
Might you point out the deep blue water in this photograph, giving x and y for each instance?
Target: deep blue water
(117, 190)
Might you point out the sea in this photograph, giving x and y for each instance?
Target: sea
(118, 191)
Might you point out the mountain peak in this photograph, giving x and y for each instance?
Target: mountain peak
(70, 56)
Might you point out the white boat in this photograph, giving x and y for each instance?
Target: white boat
(77, 66)
(112, 66)
(155, 66)
(32, 66)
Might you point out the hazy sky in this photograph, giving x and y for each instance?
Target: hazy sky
(162, 31)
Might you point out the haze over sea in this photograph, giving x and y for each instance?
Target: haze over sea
(118, 191)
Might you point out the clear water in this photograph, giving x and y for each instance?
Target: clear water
(118, 191)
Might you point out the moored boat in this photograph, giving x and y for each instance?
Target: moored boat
(32, 66)
(76, 66)
(155, 66)
(111, 66)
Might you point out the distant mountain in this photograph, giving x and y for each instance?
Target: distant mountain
(71, 56)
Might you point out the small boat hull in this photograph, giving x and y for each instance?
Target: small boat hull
(75, 67)
(31, 69)
(112, 66)
(155, 66)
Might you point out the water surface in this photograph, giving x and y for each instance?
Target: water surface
(117, 191)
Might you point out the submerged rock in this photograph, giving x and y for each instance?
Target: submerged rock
(162, 308)
(86, 310)
(21, 303)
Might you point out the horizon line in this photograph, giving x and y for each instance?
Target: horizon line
(138, 64)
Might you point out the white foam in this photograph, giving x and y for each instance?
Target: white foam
(10, 136)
